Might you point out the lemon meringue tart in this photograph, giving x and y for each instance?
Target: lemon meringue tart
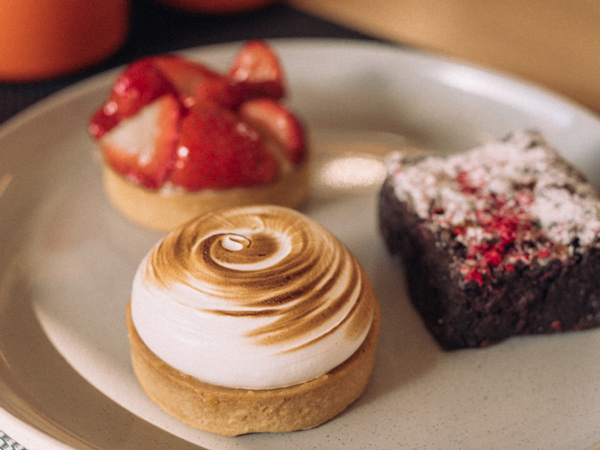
(252, 319)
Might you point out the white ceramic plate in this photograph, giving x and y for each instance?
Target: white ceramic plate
(67, 261)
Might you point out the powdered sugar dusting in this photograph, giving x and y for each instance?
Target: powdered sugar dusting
(514, 201)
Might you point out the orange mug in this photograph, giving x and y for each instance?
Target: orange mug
(42, 39)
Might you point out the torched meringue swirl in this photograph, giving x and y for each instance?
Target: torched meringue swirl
(255, 297)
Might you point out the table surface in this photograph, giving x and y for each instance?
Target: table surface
(158, 29)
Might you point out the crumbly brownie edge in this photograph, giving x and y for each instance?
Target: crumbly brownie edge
(561, 295)
(427, 270)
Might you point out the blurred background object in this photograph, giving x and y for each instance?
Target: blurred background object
(156, 28)
(550, 42)
(217, 6)
(41, 39)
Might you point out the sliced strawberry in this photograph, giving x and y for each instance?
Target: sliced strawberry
(196, 82)
(142, 147)
(184, 75)
(102, 122)
(257, 67)
(276, 123)
(222, 90)
(139, 85)
(219, 151)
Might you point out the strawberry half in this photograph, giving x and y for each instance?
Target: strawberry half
(277, 124)
(257, 68)
(142, 147)
(195, 82)
(139, 85)
(102, 121)
(222, 90)
(217, 150)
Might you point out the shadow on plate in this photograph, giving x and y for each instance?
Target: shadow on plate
(39, 387)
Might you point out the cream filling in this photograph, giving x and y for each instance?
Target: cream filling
(257, 298)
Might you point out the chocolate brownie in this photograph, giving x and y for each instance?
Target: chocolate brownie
(499, 241)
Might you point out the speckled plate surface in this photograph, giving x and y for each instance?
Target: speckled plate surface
(67, 261)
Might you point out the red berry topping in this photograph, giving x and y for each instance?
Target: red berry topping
(171, 119)
(504, 225)
(277, 124)
(140, 84)
(257, 66)
(195, 82)
(142, 147)
(217, 150)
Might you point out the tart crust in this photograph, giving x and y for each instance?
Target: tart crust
(163, 211)
(231, 412)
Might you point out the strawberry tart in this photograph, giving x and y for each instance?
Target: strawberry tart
(252, 319)
(178, 138)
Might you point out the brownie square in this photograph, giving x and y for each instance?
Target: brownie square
(499, 241)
